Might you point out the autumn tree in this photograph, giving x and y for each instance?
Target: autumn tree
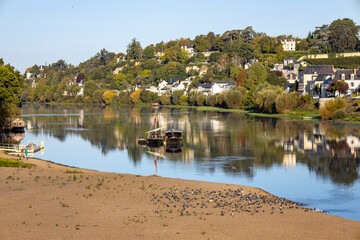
(240, 78)
(338, 86)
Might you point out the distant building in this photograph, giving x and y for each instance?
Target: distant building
(351, 77)
(308, 76)
(288, 44)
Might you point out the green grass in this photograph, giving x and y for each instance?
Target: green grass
(296, 114)
(14, 163)
(74, 171)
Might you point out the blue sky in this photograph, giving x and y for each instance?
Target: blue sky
(39, 31)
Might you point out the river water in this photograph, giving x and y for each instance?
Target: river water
(314, 163)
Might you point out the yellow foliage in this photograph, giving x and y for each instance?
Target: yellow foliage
(108, 96)
(135, 97)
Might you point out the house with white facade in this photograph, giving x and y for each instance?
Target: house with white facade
(288, 44)
(189, 49)
(308, 76)
(351, 77)
(221, 86)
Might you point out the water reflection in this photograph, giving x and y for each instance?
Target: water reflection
(235, 142)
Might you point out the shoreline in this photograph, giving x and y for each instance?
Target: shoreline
(57, 201)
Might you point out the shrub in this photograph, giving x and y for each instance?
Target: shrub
(165, 98)
(183, 100)
(338, 114)
(286, 102)
(235, 98)
(200, 99)
(265, 97)
(176, 95)
(211, 100)
(330, 107)
(135, 97)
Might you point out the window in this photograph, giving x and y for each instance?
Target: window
(343, 76)
(352, 76)
(352, 84)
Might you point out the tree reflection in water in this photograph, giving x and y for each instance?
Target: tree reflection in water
(235, 142)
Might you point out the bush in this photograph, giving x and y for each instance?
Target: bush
(286, 102)
(176, 95)
(331, 107)
(211, 100)
(235, 98)
(165, 99)
(265, 97)
(134, 97)
(200, 99)
(338, 114)
(183, 101)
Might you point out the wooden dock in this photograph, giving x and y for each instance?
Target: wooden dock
(16, 148)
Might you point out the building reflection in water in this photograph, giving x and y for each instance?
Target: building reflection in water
(207, 135)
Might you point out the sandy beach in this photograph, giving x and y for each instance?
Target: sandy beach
(50, 201)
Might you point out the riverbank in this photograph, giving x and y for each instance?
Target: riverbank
(60, 202)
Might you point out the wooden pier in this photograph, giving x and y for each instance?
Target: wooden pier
(16, 148)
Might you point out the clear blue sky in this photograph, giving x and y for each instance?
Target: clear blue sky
(39, 31)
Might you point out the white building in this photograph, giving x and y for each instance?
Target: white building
(288, 44)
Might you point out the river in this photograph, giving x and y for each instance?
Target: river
(314, 163)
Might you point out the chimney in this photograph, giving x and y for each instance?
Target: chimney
(332, 67)
(354, 71)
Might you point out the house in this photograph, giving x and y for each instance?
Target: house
(205, 88)
(351, 77)
(310, 74)
(189, 49)
(220, 86)
(174, 81)
(248, 64)
(288, 44)
(177, 86)
(290, 60)
(162, 84)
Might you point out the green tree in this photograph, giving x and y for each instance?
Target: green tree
(134, 50)
(235, 98)
(10, 87)
(149, 52)
(255, 75)
(343, 35)
(175, 96)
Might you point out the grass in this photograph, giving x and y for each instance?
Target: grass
(14, 163)
(296, 114)
(74, 171)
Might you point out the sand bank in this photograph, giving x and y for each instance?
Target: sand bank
(51, 201)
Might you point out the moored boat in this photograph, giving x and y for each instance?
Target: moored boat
(173, 136)
(17, 125)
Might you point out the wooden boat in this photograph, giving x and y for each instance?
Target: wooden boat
(155, 137)
(155, 105)
(173, 136)
(142, 141)
(17, 125)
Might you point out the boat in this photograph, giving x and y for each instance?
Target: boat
(173, 137)
(155, 105)
(155, 137)
(17, 125)
(142, 141)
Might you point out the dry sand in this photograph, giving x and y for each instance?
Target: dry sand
(50, 201)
